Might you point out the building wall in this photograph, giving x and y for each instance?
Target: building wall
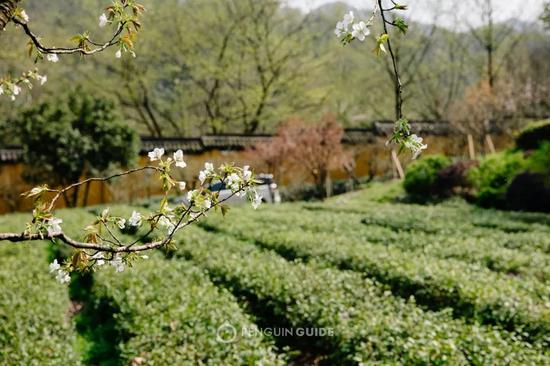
(370, 159)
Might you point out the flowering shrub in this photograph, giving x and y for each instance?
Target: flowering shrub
(101, 243)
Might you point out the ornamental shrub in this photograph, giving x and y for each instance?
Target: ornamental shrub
(539, 161)
(75, 136)
(530, 191)
(493, 177)
(421, 177)
(533, 135)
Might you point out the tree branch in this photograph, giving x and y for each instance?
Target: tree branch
(64, 50)
(398, 86)
(126, 248)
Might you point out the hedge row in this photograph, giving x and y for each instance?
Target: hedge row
(370, 326)
(171, 312)
(519, 230)
(471, 290)
(470, 244)
(35, 324)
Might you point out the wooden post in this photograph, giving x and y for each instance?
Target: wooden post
(397, 164)
(471, 149)
(490, 144)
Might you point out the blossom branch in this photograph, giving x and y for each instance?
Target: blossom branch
(60, 192)
(359, 31)
(398, 85)
(97, 248)
(124, 248)
(82, 49)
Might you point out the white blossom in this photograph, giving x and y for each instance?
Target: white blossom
(24, 16)
(100, 259)
(1, 89)
(182, 185)
(135, 219)
(256, 201)
(15, 89)
(62, 276)
(208, 170)
(348, 18)
(247, 173)
(340, 31)
(234, 182)
(415, 145)
(52, 57)
(118, 264)
(36, 191)
(343, 25)
(121, 223)
(42, 79)
(360, 31)
(167, 223)
(103, 20)
(178, 158)
(54, 266)
(53, 225)
(156, 154)
(191, 195)
(118, 54)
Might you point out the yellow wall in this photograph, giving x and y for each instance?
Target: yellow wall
(370, 159)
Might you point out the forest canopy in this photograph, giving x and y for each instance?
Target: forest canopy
(242, 66)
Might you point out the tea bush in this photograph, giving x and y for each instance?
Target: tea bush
(171, 312)
(370, 325)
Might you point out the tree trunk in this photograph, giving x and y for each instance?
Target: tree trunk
(6, 10)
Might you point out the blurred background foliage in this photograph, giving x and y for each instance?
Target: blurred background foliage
(243, 66)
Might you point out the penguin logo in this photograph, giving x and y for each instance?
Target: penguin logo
(226, 333)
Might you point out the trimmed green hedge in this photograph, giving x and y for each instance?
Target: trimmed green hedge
(421, 176)
(471, 290)
(35, 324)
(171, 312)
(533, 135)
(493, 176)
(383, 226)
(370, 325)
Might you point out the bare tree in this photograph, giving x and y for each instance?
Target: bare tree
(492, 38)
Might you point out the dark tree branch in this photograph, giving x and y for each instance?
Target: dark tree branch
(68, 50)
(398, 86)
(6, 12)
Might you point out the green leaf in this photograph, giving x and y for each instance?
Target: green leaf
(401, 24)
